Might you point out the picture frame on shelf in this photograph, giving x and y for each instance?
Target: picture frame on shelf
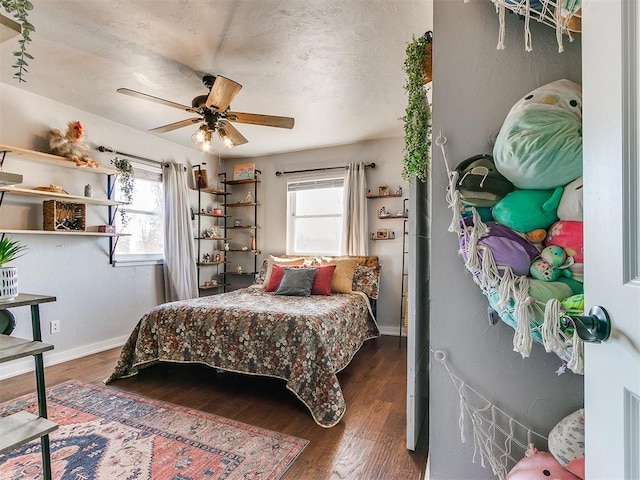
(383, 190)
(244, 171)
(200, 177)
(382, 233)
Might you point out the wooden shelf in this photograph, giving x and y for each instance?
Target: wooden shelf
(253, 227)
(241, 204)
(240, 182)
(208, 264)
(56, 160)
(61, 196)
(242, 273)
(255, 252)
(214, 191)
(395, 215)
(12, 348)
(21, 428)
(211, 238)
(63, 232)
(391, 195)
(212, 215)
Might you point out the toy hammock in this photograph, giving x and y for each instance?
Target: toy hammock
(562, 15)
(507, 293)
(498, 439)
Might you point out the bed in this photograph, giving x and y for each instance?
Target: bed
(304, 340)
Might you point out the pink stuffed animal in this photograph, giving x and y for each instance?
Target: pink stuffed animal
(539, 466)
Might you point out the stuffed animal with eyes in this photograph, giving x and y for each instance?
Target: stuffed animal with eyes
(539, 466)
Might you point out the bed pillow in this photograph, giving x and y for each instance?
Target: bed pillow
(367, 280)
(277, 272)
(322, 281)
(297, 282)
(342, 281)
(296, 261)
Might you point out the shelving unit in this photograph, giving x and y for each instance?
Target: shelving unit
(247, 233)
(205, 286)
(385, 215)
(22, 427)
(62, 162)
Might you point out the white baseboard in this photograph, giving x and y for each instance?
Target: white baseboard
(391, 331)
(26, 365)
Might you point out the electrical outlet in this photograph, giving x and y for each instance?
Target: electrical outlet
(54, 325)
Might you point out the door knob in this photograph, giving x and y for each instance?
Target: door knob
(594, 328)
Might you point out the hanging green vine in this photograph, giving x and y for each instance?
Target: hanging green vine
(126, 181)
(20, 9)
(417, 125)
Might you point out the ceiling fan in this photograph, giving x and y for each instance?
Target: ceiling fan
(214, 114)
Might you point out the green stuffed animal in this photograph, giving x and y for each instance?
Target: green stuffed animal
(527, 210)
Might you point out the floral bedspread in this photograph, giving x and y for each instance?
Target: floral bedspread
(303, 340)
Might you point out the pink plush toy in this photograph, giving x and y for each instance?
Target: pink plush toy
(539, 466)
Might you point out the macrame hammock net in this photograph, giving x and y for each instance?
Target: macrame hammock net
(562, 15)
(499, 440)
(508, 293)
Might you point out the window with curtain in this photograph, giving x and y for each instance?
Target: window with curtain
(144, 215)
(314, 215)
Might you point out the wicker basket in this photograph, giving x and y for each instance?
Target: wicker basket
(64, 216)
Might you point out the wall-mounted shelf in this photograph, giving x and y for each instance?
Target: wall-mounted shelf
(56, 160)
(212, 238)
(244, 181)
(395, 215)
(64, 232)
(243, 226)
(213, 215)
(391, 195)
(241, 204)
(391, 236)
(27, 192)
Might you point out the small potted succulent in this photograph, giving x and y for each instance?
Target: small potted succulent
(9, 250)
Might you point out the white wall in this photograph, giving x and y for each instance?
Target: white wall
(474, 87)
(97, 304)
(387, 155)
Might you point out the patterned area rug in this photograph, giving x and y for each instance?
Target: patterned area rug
(106, 434)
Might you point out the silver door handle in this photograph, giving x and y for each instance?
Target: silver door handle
(593, 328)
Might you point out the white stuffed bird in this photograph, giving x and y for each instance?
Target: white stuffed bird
(70, 145)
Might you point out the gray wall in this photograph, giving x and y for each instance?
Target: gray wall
(474, 87)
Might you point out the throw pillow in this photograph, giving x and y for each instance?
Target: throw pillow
(277, 272)
(322, 281)
(367, 280)
(343, 276)
(280, 261)
(297, 282)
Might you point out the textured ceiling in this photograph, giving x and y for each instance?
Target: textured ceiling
(336, 66)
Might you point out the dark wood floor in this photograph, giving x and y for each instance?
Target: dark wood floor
(367, 444)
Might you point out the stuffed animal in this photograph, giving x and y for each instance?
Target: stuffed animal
(540, 143)
(479, 183)
(527, 210)
(566, 442)
(570, 207)
(539, 466)
(70, 145)
(552, 263)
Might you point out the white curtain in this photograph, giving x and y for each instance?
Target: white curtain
(180, 275)
(355, 239)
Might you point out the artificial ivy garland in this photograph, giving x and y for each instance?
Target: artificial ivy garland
(20, 9)
(127, 184)
(417, 126)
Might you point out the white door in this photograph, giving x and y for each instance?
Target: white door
(611, 102)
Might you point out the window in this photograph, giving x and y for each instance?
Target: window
(145, 220)
(314, 216)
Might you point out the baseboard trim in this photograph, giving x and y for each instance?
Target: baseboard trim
(26, 365)
(391, 331)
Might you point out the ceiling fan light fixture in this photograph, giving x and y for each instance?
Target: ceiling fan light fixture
(200, 135)
(226, 139)
(207, 144)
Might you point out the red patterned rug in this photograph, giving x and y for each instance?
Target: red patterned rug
(106, 434)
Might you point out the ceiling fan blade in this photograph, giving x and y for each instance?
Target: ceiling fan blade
(234, 135)
(176, 125)
(159, 100)
(222, 92)
(257, 119)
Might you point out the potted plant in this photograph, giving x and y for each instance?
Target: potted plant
(126, 180)
(19, 9)
(417, 125)
(9, 250)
